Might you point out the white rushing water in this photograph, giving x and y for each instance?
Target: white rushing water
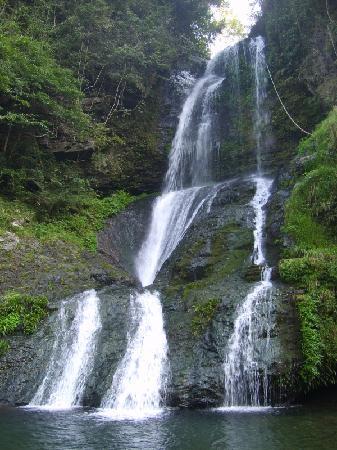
(172, 215)
(245, 365)
(72, 354)
(192, 147)
(262, 114)
(196, 141)
(139, 382)
(188, 183)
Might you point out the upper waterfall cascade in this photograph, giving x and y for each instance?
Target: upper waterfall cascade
(189, 182)
(196, 141)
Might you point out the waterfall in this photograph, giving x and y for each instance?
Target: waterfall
(189, 181)
(247, 351)
(139, 382)
(172, 215)
(136, 385)
(262, 115)
(196, 141)
(246, 377)
(72, 355)
(192, 147)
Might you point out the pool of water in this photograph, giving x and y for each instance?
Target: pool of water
(294, 428)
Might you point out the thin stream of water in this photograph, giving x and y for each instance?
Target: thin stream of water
(244, 371)
(246, 367)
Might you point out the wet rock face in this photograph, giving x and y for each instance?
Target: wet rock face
(201, 287)
(124, 234)
(111, 343)
(23, 368)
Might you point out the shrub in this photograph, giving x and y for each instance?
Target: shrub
(21, 312)
(203, 315)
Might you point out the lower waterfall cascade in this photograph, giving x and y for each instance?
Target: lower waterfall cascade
(137, 385)
(72, 354)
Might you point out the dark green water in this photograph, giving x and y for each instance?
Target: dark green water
(294, 429)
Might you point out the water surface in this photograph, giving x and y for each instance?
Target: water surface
(308, 428)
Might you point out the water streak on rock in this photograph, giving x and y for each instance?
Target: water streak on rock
(246, 377)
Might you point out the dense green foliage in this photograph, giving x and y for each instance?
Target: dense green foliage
(53, 50)
(311, 262)
(302, 57)
(20, 313)
(89, 75)
(35, 91)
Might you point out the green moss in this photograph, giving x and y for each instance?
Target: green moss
(11, 211)
(300, 224)
(311, 262)
(230, 247)
(311, 339)
(183, 264)
(203, 315)
(4, 347)
(82, 228)
(79, 228)
(194, 286)
(21, 312)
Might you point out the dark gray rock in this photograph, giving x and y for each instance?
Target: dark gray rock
(123, 234)
(201, 287)
(211, 264)
(23, 368)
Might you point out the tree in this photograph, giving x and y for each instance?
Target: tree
(37, 95)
